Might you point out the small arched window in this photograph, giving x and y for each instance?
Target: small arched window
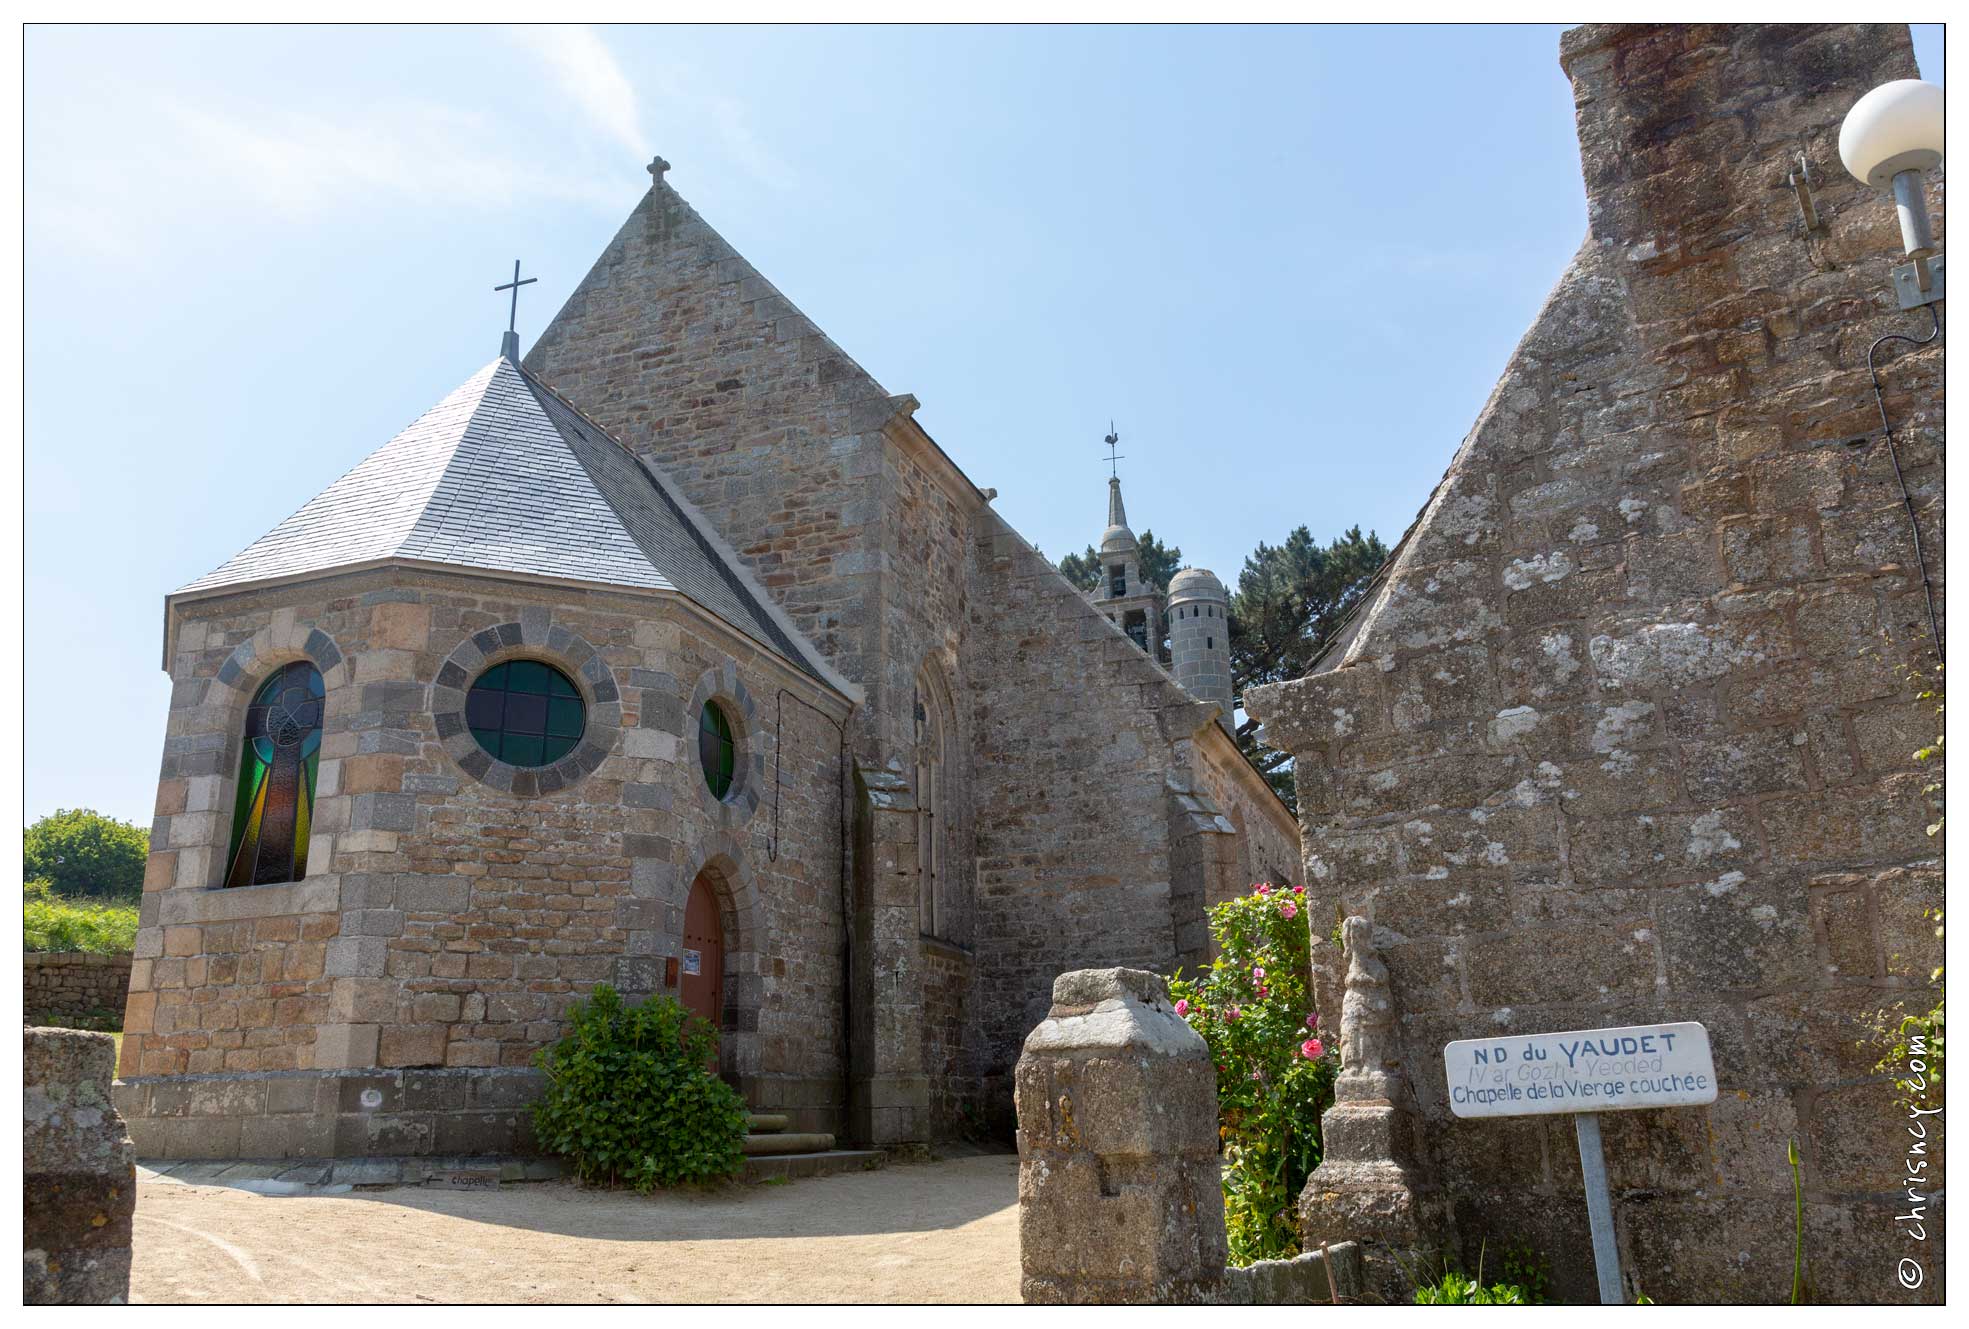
(935, 914)
(278, 761)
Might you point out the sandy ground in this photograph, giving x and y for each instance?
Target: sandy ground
(944, 1231)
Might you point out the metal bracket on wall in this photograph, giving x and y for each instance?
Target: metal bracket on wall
(1909, 287)
(1800, 180)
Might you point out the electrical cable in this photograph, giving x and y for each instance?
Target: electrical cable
(1893, 454)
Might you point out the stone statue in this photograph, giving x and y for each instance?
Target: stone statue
(1370, 1058)
(1370, 1185)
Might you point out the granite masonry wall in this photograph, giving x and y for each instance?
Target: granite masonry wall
(890, 560)
(1083, 751)
(1620, 736)
(846, 513)
(73, 983)
(455, 907)
(1267, 842)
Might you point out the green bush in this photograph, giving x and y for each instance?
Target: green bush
(629, 1099)
(50, 923)
(1453, 1289)
(1526, 1283)
(82, 853)
(1253, 1006)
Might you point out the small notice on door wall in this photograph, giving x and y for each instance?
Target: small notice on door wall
(693, 962)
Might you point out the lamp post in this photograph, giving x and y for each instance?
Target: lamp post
(1889, 140)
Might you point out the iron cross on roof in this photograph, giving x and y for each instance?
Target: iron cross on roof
(1112, 439)
(513, 314)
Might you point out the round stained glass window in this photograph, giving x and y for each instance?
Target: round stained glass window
(525, 713)
(717, 753)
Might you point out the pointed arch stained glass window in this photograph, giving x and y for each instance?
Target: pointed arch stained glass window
(277, 767)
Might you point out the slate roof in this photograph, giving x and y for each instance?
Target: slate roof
(505, 476)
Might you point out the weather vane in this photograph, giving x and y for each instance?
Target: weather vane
(513, 314)
(1112, 439)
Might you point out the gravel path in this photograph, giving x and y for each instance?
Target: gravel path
(944, 1231)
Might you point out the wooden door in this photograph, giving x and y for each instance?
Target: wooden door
(701, 981)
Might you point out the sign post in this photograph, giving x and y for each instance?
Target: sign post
(1584, 1073)
(1599, 1206)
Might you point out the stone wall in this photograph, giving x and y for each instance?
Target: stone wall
(73, 983)
(78, 1173)
(849, 516)
(450, 917)
(1619, 736)
(1076, 749)
(1267, 836)
(878, 547)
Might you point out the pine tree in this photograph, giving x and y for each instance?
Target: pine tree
(1290, 600)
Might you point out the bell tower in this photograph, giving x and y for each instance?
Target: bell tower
(1128, 601)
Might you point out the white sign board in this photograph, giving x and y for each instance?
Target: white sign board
(1586, 1070)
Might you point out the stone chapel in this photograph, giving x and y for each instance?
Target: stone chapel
(675, 655)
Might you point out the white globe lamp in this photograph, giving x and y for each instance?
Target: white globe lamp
(1889, 138)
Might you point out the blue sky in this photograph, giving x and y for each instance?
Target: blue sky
(1289, 263)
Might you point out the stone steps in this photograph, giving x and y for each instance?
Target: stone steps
(789, 1143)
(827, 1163)
(775, 1154)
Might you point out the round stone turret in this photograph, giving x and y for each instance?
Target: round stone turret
(1200, 638)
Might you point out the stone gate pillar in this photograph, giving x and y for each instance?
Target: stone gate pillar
(78, 1172)
(1119, 1192)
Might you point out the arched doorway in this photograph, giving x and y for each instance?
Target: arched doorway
(702, 982)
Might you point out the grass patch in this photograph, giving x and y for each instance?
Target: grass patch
(53, 923)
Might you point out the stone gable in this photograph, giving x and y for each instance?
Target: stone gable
(1619, 736)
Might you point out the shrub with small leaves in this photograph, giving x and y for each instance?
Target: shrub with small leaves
(629, 1098)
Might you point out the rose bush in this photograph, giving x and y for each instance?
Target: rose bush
(1275, 1063)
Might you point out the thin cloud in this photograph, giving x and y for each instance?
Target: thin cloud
(587, 74)
(726, 120)
(192, 158)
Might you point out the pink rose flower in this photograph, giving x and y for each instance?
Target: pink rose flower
(1311, 1049)
(1263, 992)
(1313, 1020)
(1298, 890)
(1257, 971)
(1262, 888)
(1289, 910)
(1231, 1012)
(1182, 1006)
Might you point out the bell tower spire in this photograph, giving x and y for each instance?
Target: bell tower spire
(1129, 603)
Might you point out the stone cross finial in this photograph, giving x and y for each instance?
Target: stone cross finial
(656, 168)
